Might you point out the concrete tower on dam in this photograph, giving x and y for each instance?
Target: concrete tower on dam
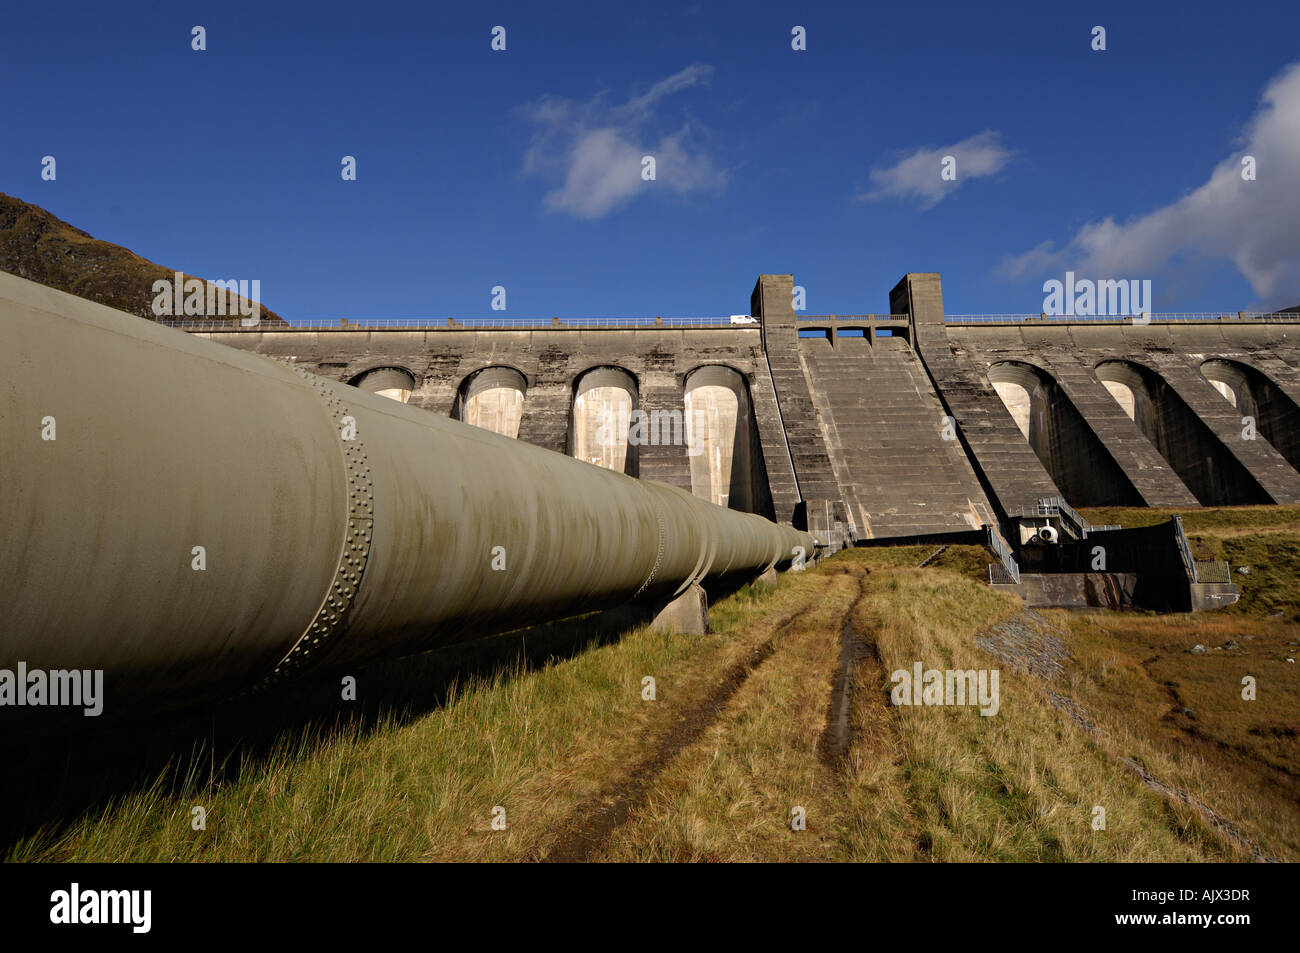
(911, 424)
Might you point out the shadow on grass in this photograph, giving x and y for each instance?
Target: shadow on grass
(47, 784)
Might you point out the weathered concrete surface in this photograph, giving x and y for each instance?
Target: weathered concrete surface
(1201, 432)
(844, 434)
(1068, 448)
(1213, 595)
(687, 614)
(1150, 475)
(1074, 590)
(1266, 467)
(772, 301)
(1008, 467)
(882, 425)
(444, 362)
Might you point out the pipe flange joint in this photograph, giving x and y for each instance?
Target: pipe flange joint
(332, 617)
(659, 554)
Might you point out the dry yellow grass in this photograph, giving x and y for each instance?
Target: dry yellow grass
(731, 795)
(1020, 785)
(536, 743)
(917, 783)
(736, 739)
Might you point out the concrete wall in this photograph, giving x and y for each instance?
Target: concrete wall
(724, 447)
(1185, 444)
(882, 425)
(493, 399)
(1057, 432)
(1074, 590)
(936, 428)
(453, 370)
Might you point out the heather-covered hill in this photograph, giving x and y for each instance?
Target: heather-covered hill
(39, 246)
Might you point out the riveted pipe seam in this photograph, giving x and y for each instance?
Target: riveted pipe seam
(331, 617)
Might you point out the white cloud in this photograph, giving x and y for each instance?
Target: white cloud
(1255, 225)
(918, 175)
(592, 151)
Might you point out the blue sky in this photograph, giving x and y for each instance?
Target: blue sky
(521, 168)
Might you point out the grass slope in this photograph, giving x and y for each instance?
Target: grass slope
(550, 725)
(41, 247)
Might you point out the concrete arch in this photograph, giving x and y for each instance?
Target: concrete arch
(1209, 469)
(1016, 383)
(1068, 447)
(493, 398)
(1127, 383)
(606, 402)
(1220, 380)
(726, 458)
(395, 383)
(1255, 394)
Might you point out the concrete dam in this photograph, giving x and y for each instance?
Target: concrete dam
(892, 426)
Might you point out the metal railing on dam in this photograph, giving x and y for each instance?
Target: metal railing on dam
(471, 324)
(851, 317)
(191, 520)
(1171, 317)
(714, 323)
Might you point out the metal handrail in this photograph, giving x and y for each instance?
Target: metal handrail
(1153, 317)
(465, 324)
(721, 321)
(1056, 506)
(851, 317)
(999, 547)
(1185, 549)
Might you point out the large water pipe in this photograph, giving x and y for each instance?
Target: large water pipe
(195, 520)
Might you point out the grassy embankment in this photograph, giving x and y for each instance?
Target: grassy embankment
(737, 737)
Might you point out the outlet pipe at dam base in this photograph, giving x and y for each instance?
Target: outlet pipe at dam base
(193, 520)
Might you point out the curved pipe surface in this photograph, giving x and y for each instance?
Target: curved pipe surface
(196, 520)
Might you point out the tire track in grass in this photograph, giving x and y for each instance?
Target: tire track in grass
(854, 650)
(589, 827)
(862, 726)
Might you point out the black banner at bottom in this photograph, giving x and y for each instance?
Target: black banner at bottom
(137, 903)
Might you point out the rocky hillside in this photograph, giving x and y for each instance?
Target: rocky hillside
(41, 247)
